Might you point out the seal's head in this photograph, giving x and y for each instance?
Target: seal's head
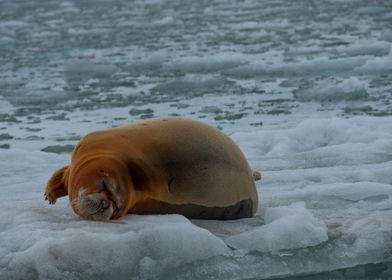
(98, 189)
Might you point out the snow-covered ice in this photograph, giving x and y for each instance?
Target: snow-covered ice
(328, 191)
(304, 88)
(285, 228)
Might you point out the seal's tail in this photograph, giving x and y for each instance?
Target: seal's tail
(256, 175)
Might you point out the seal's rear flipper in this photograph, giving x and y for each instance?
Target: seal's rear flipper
(57, 185)
(256, 175)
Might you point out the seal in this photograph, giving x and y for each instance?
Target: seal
(158, 166)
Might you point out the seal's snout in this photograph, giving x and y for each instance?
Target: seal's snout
(95, 206)
(103, 205)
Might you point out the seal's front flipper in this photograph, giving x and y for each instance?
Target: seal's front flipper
(57, 185)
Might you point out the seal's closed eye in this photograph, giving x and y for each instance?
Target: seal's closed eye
(108, 190)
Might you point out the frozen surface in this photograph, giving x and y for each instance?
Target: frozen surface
(285, 228)
(303, 87)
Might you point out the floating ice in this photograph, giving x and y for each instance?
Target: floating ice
(316, 67)
(314, 134)
(165, 21)
(387, 36)
(68, 7)
(287, 227)
(192, 85)
(5, 106)
(57, 244)
(378, 65)
(355, 192)
(220, 62)
(375, 49)
(84, 68)
(327, 91)
(150, 65)
(13, 24)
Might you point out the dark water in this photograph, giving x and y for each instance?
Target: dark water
(362, 272)
(90, 54)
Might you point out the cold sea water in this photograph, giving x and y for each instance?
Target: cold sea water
(303, 87)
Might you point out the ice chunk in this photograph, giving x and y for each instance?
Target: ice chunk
(330, 91)
(387, 36)
(378, 65)
(368, 191)
(220, 62)
(85, 249)
(350, 197)
(69, 7)
(150, 65)
(317, 133)
(165, 21)
(193, 85)
(371, 235)
(88, 69)
(13, 24)
(316, 67)
(375, 49)
(5, 106)
(287, 227)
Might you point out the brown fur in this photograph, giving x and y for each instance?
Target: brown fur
(165, 165)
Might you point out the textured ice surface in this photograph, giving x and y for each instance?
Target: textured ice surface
(303, 87)
(285, 228)
(56, 245)
(331, 91)
(343, 221)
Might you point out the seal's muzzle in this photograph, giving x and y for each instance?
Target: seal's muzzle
(95, 206)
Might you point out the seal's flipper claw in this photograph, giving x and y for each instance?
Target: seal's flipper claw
(51, 200)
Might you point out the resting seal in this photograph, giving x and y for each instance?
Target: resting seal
(158, 166)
